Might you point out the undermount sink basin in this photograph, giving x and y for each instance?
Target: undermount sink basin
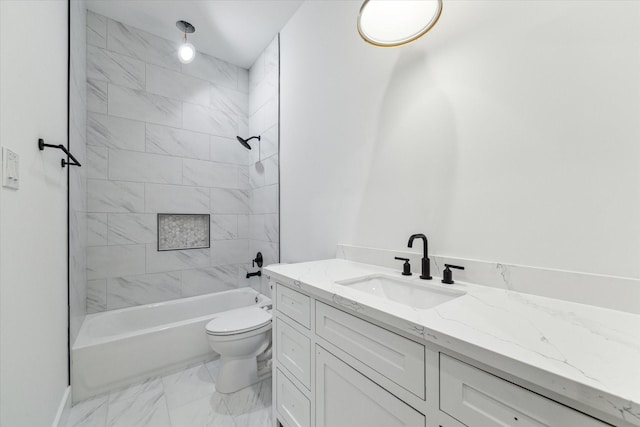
(416, 294)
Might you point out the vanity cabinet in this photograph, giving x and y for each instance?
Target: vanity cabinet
(334, 368)
(346, 398)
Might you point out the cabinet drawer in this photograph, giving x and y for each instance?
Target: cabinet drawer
(346, 398)
(397, 358)
(294, 304)
(292, 406)
(475, 397)
(293, 351)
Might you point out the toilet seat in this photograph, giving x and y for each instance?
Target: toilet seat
(239, 321)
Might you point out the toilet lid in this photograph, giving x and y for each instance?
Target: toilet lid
(239, 321)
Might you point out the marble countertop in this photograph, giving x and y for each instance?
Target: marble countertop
(588, 354)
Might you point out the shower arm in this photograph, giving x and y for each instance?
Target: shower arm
(63, 162)
(259, 147)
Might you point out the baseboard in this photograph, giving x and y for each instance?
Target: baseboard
(62, 416)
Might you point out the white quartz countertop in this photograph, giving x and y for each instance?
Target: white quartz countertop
(586, 353)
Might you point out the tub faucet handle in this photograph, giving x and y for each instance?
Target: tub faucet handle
(258, 260)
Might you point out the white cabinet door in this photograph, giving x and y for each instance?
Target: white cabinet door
(346, 398)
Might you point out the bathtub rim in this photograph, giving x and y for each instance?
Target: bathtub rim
(83, 341)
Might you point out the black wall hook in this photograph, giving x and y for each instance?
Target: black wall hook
(63, 162)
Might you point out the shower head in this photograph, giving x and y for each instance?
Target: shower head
(245, 142)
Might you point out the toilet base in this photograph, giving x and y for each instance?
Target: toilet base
(235, 374)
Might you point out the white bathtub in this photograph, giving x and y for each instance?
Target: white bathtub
(120, 347)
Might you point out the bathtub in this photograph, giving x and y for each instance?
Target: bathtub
(120, 347)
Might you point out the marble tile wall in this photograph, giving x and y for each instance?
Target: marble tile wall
(161, 138)
(264, 219)
(77, 175)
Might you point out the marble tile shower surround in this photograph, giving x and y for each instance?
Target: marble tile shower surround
(617, 293)
(77, 175)
(161, 138)
(264, 223)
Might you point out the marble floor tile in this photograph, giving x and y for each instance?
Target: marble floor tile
(151, 388)
(187, 386)
(184, 399)
(89, 413)
(209, 411)
(247, 405)
(149, 410)
(213, 367)
(254, 418)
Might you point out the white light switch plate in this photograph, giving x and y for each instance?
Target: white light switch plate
(10, 169)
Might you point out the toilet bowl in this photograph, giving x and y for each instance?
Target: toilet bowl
(239, 337)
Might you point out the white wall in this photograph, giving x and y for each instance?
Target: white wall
(509, 133)
(33, 220)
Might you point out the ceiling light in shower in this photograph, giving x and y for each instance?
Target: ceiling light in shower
(186, 51)
(389, 23)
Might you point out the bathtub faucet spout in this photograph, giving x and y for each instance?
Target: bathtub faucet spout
(257, 273)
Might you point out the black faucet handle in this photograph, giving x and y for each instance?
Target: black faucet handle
(406, 268)
(257, 260)
(447, 275)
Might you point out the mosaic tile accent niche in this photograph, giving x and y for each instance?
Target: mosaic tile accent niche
(183, 231)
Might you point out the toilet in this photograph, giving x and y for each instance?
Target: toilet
(239, 337)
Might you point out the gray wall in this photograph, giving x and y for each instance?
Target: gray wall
(161, 139)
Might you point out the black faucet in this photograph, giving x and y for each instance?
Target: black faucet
(426, 264)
